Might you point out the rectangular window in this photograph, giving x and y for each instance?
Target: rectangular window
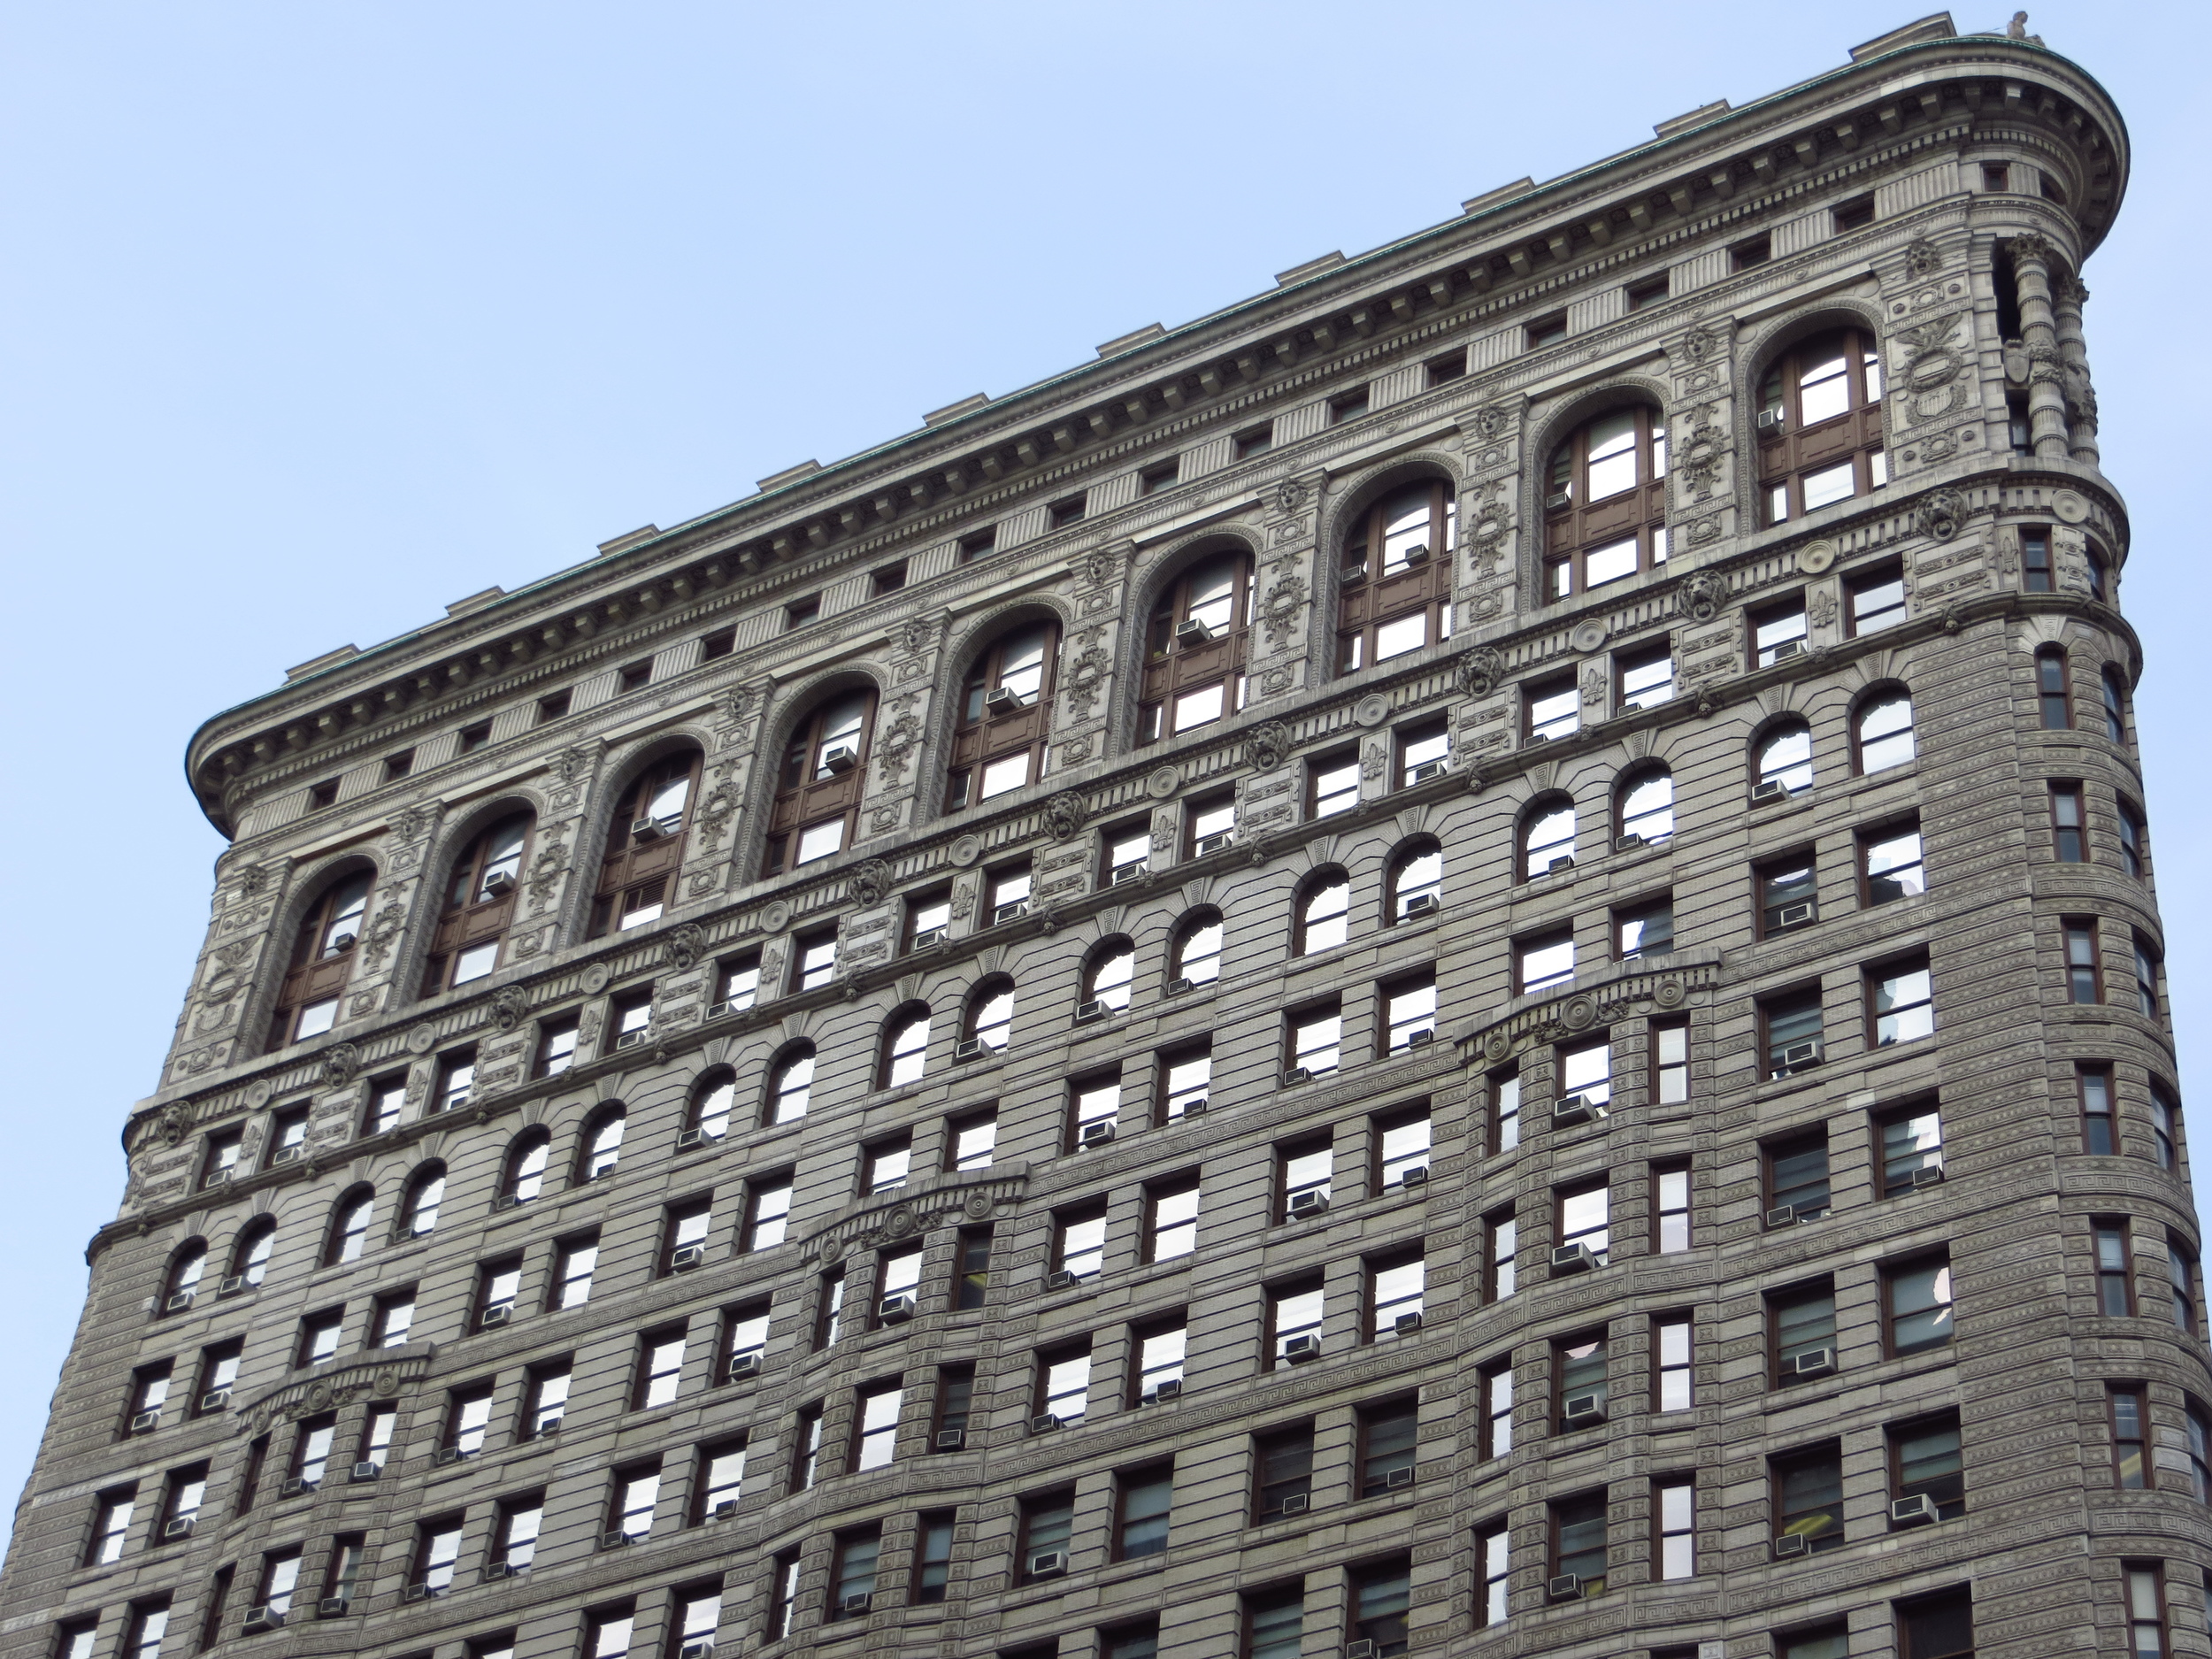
(933, 1557)
(1586, 1073)
(767, 1212)
(2084, 969)
(1393, 1297)
(1125, 852)
(1802, 1322)
(110, 1525)
(814, 960)
(2165, 1126)
(2068, 845)
(1670, 1209)
(955, 1395)
(972, 1285)
(2130, 1435)
(218, 1376)
(468, 1418)
(1142, 1502)
(719, 1483)
(556, 1047)
(1157, 1349)
(1674, 1506)
(1645, 929)
(1254, 441)
(150, 1389)
(1543, 961)
(1918, 1301)
(1047, 1521)
(1408, 1010)
(2147, 1610)
(1302, 1174)
(1275, 1620)
(1924, 1460)
(1063, 1384)
(876, 1426)
(969, 1139)
(783, 1596)
(2181, 1279)
(1283, 1466)
(311, 1452)
(829, 1308)
(1170, 1227)
(1382, 1593)
(319, 1337)
(437, 1547)
(660, 1368)
(1645, 678)
(2100, 1134)
(1332, 784)
(457, 1081)
(1788, 891)
(1547, 331)
(1093, 1099)
(1294, 1322)
(1673, 1379)
(1425, 751)
(806, 1447)
(1208, 824)
(1875, 601)
(898, 1284)
(1581, 1218)
(1579, 1374)
(1900, 1003)
(684, 1230)
(1312, 1038)
(1497, 1409)
(1794, 1035)
(1912, 1148)
(1757, 252)
(2146, 980)
(1890, 865)
(1494, 1564)
(1777, 632)
(1348, 406)
(1078, 1244)
(737, 985)
(1551, 707)
(1401, 1142)
(2133, 836)
(884, 1165)
(1855, 215)
(1796, 1178)
(1807, 1498)
(1505, 1110)
(515, 1537)
(573, 1262)
(1578, 1542)
(2115, 1266)
(1499, 1276)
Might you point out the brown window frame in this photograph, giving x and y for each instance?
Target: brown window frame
(1172, 670)
(2146, 1466)
(1575, 526)
(473, 917)
(1375, 598)
(2051, 662)
(637, 876)
(804, 801)
(321, 962)
(1787, 452)
(2082, 931)
(983, 738)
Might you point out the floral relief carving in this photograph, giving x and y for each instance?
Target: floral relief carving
(1594, 686)
(383, 930)
(547, 868)
(1698, 452)
(1279, 610)
(1087, 673)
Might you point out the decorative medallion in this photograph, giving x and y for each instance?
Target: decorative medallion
(1163, 783)
(2070, 506)
(257, 1092)
(1578, 1013)
(1496, 1047)
(1816, 557)
(1479, 669)
(775, 917)
(1268, 745)
(1588, 635)
(596, 978)
(681, 947)
(1669, 993)
(966, 850)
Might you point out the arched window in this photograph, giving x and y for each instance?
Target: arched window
(1416, 881)
(1547, 835)
(1820, 425)
(1324, 913)
(1396, 577)
(1783, 761)
(645, 844)
(1194, 647)
(601, 1148)
(790, 1080)
(1005, 716)
(322, 961)
(1784, 757)
(1647, 805)
(817, 788)
(1195, 958)
(349, 1221)
(989, 1020)
(524, 1178)
(905, 1047)
(249, 1257)
(1605, 503)
(1106, 976)
(2115, 708)
(419, 1212)
(2054, 696)
(185, 1268)
(713, 1097)
(1881, 731)
(480, 903)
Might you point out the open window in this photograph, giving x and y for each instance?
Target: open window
(479, 905)
(1396, 577)
(321, 962)
(1005, 716)
(645, 844)
(818, 783)
(1605, 503)
(1196, 648)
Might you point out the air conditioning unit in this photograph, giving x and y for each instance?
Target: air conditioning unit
(498, 1314)
(1194, 1107)
(840, 760)
(1928, 1175)
(415, 1593)
(695, 1650)
(1178, 988)
(287, 1155)
(1408, 1322)
(1772, 789)
(1129, 872)
(261, 1618)
(853, 1606)
(295, 1485)
(925, 937)
(498, 1570)
(1399, 1477)
(1047, 1563)
(179, 1302)
(146, 1422)
(637, 1035)
(894, 1310)
(1627, 843)
(1769, 421)
(1422, 1038)
(1787, 650)
(1013, 910)
(952, 1440)
(1580, 1410)
(973, 1049)
(1573, 1258)
(724, 1510)
(1192, 634)
(1417, 1175)
(1418, 555)
(1566, 861)
(366, 1470)
(1353, 573)
(1791, 1544)
(509, 1201)
(551, 1425)
(645, 829)
(215, 1400)
(613, 1541)
(217, 1178)
(1361, 1649)
(447, 1454)
(1557, 500)
(1169, 1388)
(1795, 915)
(1000, 701)
(1087, 1012)
(1311, 1203)
(1060, 1280)
(1782, 1216)
(1537, 737)
(1097, 1134)
(1565, 1587)
(1216, 841)
(684, 1257)
(1043, 1423)
(1298, 1350)
(1913, 1511)
(1296, 1075)
(1797, 1056)
(1571, 1109)
(1296, 1503)
(744, 1365)
(498, 885)
(1427, 770)
(691, 1138)
(1421, 904)
(181, 1527)
(1814, 1363)
(332, 1607)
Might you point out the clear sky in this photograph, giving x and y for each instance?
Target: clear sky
(316, 317)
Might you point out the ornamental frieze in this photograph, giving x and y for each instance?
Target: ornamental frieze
(912, 1214)
(1661, 988)
(383, 1378)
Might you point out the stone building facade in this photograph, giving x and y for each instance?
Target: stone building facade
(1462, 959)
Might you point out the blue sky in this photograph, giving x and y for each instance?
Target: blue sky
(318, 317)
